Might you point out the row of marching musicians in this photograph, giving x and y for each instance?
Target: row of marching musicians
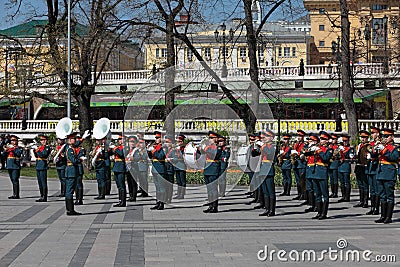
(322, 157)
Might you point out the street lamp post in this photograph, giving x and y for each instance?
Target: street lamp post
(336, 53)
(123, 89)
(225, 39)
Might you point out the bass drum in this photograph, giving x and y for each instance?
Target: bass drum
(191, 157)
(246, 162)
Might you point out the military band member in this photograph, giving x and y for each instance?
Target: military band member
(213, 157)
(180, 166)
(286, 165)
(132, 168)
(387, 174)
(141, 158)
(157, 155)
(371, 169)
(119, 169)
(333, 166)
(61, 163)
(225, 155)
(347, 154)
(313, 141)
(258, 180)
(71, 172)
(360, 169)
(107, 167)
(99, 164)
(170, 168)
(322, 156)
(12, 153)
(267, 149)
(249, 170)
(80, 152)
(299, 166)
(42, 152)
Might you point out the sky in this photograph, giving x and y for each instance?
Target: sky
(219, 10)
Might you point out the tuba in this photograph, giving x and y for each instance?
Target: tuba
(64, 128)
(102, 129)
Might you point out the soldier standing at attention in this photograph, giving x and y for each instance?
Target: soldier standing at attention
(346, 157)
(225, 155)
(107, 167)
(372, 166)
(333, 166)
(360, 169)
(267, 150)
(387, 174)
(61, 163)
(170, 168)
(180, 166)
(131, 168)
(310, 170)
(157, 155)
(71, 172)
(98, 164)
(42, 153)
(299, 166)
(12, 153)
(286, 165)
(322, 155)
(141, 158)
(211, 169)
(119, 169)
(81, 154)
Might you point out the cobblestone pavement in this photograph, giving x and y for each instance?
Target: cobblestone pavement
(40, 234)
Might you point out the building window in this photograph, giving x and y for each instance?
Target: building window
(321, 27)
(189, 54)
(293, 51)
(379, 7)
(207, 53)
(321, 43)
(322, 11)
(378, 31)
(157, 52)
(224, 52)
(243, 52)
(280, 52)
(164, 52)
(286, 51)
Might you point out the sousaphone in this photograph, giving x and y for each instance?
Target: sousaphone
(102, 129)
(64, 128)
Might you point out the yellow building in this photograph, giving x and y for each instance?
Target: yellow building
(373, 29)
(278, 46)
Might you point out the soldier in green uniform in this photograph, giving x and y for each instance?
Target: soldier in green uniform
(225, 155)
(60, 163)
(42, 152)
(387, 174)
(180, 166)
(347, 154)
(107, 167)
(131, 168)
(333, 166)
(361, 165)
(13, 153)
(170, 168)
(319, 177)
(80, 152)
(299, 166)
(99, 164)
(284, 160)
(313, 141)
(372, 166)
(119, 170)
(141, 158)
(71, 172)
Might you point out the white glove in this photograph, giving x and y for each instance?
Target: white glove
(259, 143)
(294, 152)
(10, 146)
(203, 146)
(314, 148)
(111, 146)
(340, 140)
(351, 155)
(380, 147)
(369, 156)
(341, 148)
(85, 134)
(83, 158)
(99, 149)
(151, 148)
(302, 156)
(281, 152)
(34, 147)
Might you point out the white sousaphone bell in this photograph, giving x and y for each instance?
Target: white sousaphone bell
(64, 128)
(102, 129)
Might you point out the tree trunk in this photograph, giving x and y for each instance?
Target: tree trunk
(83, 108)
(169, 122)
(347, 88)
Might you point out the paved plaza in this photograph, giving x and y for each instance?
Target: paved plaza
(40, 234)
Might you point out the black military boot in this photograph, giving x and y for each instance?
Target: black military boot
(76, 197)
(260, 201)
(119, 198)
(361, 202)
(183, 192)
(332, 190)
(123, 199)
(284, 193)
(214, 205)
(325, 206)
(348, 194)
(70, 207)
(100, 195)
(288, 189)
(15, 194)
(298, 193)
(209, 208)
(377, 204)
(45, 193)
(335, 193)
(365, 203)
(389, 213)
(178, 193)
(156, 206)
(306, 198)
(384, 206)
(256, 193)
(62, 192)
(107, 190)
(273, 206)
(319, 210)
(343, 191)
(372, 210)
(161, 206)
(311, 200)
(41, 195)
(267, 205)
(80, 200)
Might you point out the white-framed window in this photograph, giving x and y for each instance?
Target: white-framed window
(279, 51)
(207, 53)
(293, 51)
(164, 52)
(243, 53)
(224, 51)
(286, 51)
(321, 43)
(189, 54)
